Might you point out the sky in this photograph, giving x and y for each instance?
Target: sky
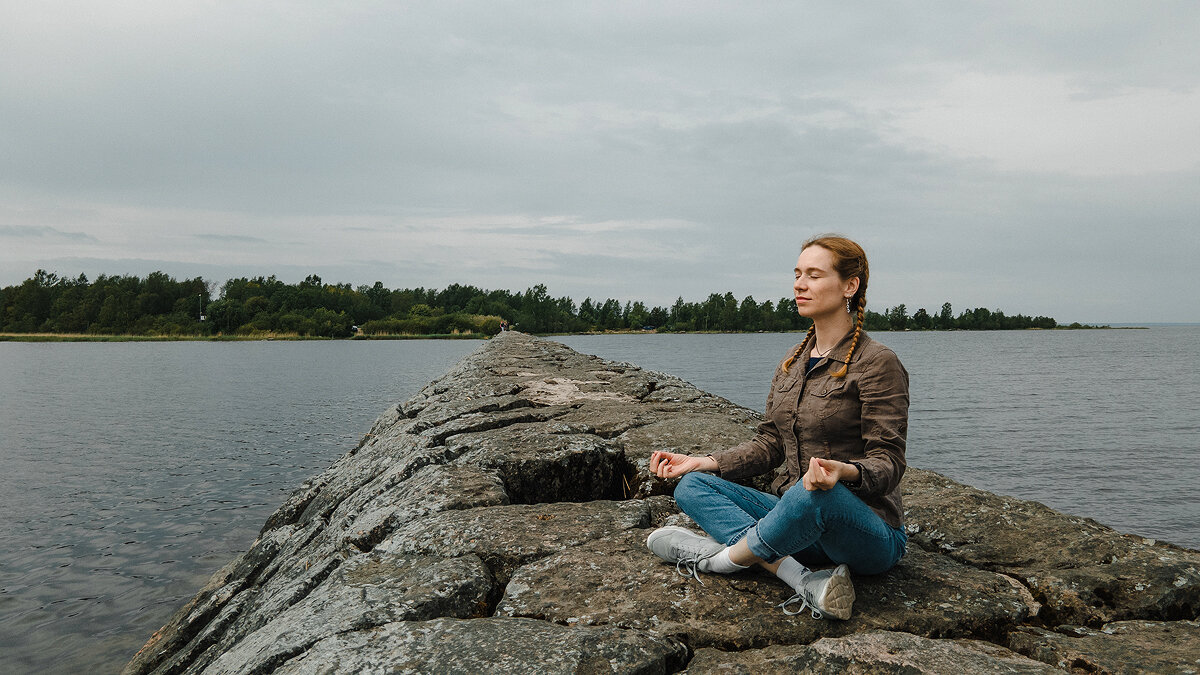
(1035, 158)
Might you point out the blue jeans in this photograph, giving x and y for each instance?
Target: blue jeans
(821, 527)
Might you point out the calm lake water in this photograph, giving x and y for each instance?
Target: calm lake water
(135, 470)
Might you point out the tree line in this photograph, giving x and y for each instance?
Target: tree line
(160, 305)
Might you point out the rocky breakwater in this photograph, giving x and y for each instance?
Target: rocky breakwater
(496, 522)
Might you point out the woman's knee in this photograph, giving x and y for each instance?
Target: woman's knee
(799, 498)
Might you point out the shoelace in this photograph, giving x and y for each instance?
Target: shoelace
(688, 564)
(688, 567)
(803, 598)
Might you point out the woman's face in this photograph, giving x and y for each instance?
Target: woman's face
(818, 289)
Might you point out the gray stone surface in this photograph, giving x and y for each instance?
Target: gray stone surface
(367, 591)
(509, 536)
(616, 581)
(517, 646)
(495, 522)
(1080, 571)
(874, 652)
(1167, 647)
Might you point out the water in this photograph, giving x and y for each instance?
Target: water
(132, 471)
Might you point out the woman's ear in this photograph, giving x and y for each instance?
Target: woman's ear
(851, 288)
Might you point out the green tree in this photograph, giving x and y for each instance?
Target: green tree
(945, 318)
(748, 317)
(898, 317)
(921, 320)
(639, 316)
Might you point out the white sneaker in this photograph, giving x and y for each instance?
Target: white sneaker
(683, 547)
(825, 592)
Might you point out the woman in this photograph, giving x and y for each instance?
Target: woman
(836, 419)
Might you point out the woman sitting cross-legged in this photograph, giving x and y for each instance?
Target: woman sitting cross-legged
(836, 420)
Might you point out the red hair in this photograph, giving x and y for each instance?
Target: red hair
(849, 261)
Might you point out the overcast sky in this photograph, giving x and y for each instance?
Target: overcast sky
(1040, 157)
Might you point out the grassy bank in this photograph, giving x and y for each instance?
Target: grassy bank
(84, 337)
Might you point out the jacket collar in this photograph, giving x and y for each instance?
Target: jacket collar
(838, 353)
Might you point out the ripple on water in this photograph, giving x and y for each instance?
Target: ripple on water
(136, 470)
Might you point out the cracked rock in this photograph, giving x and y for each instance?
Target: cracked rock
(496, 645)
(496, 522)
(1079, 570)
(875, 653)
(1166, 647)
(370, 590)
(617, 581)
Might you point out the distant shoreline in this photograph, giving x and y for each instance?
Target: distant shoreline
(78, 337)
(83, 337)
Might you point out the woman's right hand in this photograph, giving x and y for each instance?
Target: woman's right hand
(672, 465)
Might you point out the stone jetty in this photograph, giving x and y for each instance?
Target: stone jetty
(496, 523)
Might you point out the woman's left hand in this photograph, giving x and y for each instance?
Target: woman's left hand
(823, 474)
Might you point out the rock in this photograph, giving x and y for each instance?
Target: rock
(1080, 571)
(371, 517)
(366, 591)
(506, 537)
(496, 522)
(617, 581)
(1157, 647)
(517, 646)
(545, 463)
(874, 652)
(190, 618)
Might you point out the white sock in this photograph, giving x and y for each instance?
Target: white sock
(791, 572)
(721, 564)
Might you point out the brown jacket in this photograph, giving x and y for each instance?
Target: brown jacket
(862, 417)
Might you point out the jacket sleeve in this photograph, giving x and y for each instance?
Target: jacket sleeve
(759, 454)
(883, 392)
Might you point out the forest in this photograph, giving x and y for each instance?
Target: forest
(160, 305)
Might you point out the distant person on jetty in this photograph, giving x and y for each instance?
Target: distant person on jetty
(836, 419)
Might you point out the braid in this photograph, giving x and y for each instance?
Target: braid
(792, 359)
(858, 324)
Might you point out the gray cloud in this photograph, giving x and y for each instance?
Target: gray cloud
(232, 238)
(41, 231)
(1009, 156)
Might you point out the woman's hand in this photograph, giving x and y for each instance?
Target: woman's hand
(823, 474)
(671, 465)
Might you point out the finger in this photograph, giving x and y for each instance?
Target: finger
(823, 468)
(814, 467)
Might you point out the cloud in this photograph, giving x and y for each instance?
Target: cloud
(41, 231)
(988, 155)
(233, 238)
